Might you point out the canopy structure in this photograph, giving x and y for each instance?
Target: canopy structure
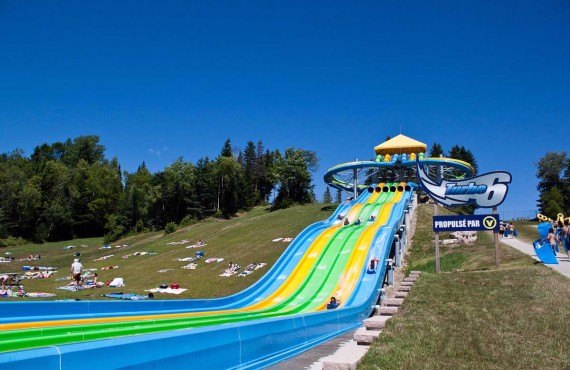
(399, 145)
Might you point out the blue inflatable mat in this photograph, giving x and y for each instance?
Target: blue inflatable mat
(130, 297)
(544, 252)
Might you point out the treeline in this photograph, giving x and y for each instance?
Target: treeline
(553, 172)
(456, 152)
(69, 189)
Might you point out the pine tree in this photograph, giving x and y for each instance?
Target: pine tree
(251, 174)
(327, 196)
(463, 154)
(338, 198)
(436, 150)
(227, 149)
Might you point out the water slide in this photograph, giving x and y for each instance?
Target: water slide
(277, 317)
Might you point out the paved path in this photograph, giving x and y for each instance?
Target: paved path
(563, 266)
(313, 358)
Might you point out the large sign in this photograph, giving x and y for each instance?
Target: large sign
(466, 223)
(486, 191)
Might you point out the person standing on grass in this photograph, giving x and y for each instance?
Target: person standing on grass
(76, 270)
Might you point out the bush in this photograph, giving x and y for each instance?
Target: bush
(11, 242)
(115, 234)
(170, 228)
(188, 220)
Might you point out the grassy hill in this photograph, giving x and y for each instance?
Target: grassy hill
(473, 316)
(244, 239)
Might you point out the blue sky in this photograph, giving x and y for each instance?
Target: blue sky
(166, 79)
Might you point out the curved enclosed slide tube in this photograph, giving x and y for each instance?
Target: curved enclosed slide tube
(252, 343)
(335, 180)
(11, 312)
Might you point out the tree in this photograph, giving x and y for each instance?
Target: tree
(338, 198)
(436, 150)
(251, 175)
(229, 175)
(327, 196)
(176, 183)
(204, 198)
(553, 173)
(227, 149)
(553, 202)
(294, 174)
(140, 195)
(463, 154)
(267, 172)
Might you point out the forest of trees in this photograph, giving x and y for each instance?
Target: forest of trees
(69, 189)
(553, 172)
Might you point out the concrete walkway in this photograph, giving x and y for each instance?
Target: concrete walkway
(563, 266)
(313, 358)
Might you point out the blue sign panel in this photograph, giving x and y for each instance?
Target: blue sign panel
(466, 223)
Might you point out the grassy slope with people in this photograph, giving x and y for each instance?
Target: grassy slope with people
(474, 316)
(244, 239)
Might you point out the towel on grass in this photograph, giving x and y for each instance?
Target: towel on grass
(196, 246)
(186, 259)
(166, 290)
(40, 295)
(213, 259)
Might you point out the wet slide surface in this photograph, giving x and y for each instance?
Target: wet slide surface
(331, 265)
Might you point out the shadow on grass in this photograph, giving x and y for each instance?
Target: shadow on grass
(329, 208)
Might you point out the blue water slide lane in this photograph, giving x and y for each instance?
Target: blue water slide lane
(245, 345)
(53, 310)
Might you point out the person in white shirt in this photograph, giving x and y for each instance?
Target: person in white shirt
(76, 270)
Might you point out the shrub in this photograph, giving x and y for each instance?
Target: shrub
(11, 242)
(188, 220)
(170, 228)
(115, 234)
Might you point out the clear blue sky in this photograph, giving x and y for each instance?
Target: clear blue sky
(166, 79)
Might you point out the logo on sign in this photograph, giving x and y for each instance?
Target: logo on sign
(489, 222)
(486, 191)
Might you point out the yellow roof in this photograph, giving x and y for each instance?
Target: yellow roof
(400, 144)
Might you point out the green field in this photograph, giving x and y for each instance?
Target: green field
(243, 240)
(473, 316)
(527, 230)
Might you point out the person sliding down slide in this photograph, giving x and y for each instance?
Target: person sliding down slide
(333, 304)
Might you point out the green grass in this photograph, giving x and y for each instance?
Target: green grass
(243, 240)
(527, 230)
(474, 316)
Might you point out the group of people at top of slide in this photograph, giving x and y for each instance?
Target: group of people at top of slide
(559, 234)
